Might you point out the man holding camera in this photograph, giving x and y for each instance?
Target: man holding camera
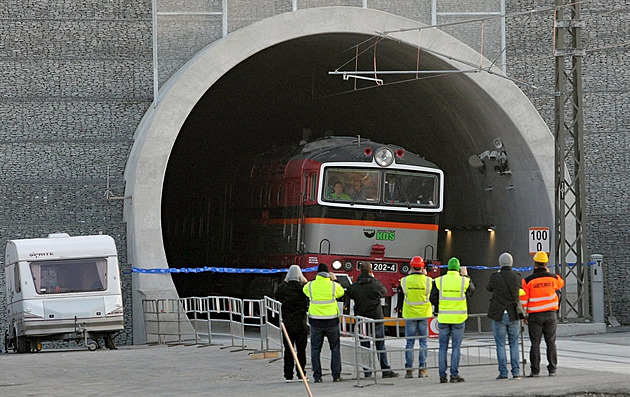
(505, 286)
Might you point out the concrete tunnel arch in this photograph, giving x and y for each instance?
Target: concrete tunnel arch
(528, 140)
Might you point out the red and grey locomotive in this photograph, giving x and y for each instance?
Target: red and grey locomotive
(339, 201)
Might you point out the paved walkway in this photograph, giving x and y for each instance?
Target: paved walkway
(587, 365)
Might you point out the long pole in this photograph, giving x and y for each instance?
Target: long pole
(295, 358)
(522, 345)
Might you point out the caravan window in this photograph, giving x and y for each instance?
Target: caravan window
(66, 276)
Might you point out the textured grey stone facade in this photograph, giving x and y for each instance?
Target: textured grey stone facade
(77, 77)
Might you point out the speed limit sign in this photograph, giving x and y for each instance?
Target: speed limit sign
(538, 239)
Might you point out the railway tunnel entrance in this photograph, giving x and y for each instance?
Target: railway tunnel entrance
(268, 85)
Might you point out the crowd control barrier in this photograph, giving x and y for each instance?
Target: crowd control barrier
(256, 322)
(197, 320)
(366, 359)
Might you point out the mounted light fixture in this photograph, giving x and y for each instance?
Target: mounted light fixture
(496, 159)
(336, 264)
(384, 157)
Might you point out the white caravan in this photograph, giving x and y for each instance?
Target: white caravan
(62, 288)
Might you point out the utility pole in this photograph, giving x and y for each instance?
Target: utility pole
(570, 211)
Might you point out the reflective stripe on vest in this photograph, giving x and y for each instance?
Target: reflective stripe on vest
(322, 305)
(313, 301)
(543, 298)
(414, 303)
(541, 294)
(461, 296)
(452, 309)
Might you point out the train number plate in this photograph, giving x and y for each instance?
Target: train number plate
(384, 267)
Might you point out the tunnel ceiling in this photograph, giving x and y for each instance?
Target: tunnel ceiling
(271, 97)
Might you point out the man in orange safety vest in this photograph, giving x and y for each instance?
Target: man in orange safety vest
(542, 303)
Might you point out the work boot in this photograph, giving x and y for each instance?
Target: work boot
(409, 373)
(456, 379)
(390, 374)
(423, 373)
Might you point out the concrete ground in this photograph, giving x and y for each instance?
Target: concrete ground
(591, 365)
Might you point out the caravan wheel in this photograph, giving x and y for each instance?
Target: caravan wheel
(92, 345)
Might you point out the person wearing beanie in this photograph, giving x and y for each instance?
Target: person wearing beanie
(448, 297)
(323, 316)
(505, 286)
(413, 300)
(540, 299)
(294, 307)
(367, 292)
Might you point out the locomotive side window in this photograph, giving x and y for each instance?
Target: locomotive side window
(412, 189)
(313, 192)
(305, 188)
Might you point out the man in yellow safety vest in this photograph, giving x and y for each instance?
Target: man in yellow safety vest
(416, 309)
(449, 298)
(323, 316)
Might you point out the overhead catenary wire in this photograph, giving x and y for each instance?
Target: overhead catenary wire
(531, 85)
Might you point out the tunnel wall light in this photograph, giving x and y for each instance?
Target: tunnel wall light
(488, 227)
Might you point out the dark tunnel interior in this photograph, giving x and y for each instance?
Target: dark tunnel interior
(285, 93)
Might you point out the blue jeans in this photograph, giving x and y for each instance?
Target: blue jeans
(379, 333)
(512, 329)
(418, 327)
(448, 331)
(317, 341)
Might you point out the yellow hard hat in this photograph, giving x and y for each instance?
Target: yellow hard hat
(541, 257)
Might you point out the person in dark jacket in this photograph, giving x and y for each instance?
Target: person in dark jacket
(367, 293)
(505, 286)
(294, 308)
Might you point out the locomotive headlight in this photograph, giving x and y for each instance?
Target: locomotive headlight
(384, 157)
(348, 266)
(336, 264)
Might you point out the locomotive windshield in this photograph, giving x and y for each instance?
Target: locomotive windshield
(64, 276)
(399, 188)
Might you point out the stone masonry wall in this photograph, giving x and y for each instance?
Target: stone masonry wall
(75, 80)
(77, 77)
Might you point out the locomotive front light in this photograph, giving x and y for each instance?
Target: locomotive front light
(336, 264)
(384, 157)
(347, 266)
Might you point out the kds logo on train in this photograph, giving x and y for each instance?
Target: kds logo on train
(386, 235)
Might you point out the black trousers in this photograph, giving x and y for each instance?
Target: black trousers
(299, 337)
(543, 324)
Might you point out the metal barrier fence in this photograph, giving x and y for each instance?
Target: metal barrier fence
(197, 320)
(366, 357)
(166, 321)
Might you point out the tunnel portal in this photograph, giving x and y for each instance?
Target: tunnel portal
(250, 93)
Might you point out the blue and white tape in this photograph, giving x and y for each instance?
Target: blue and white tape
(239, 270)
